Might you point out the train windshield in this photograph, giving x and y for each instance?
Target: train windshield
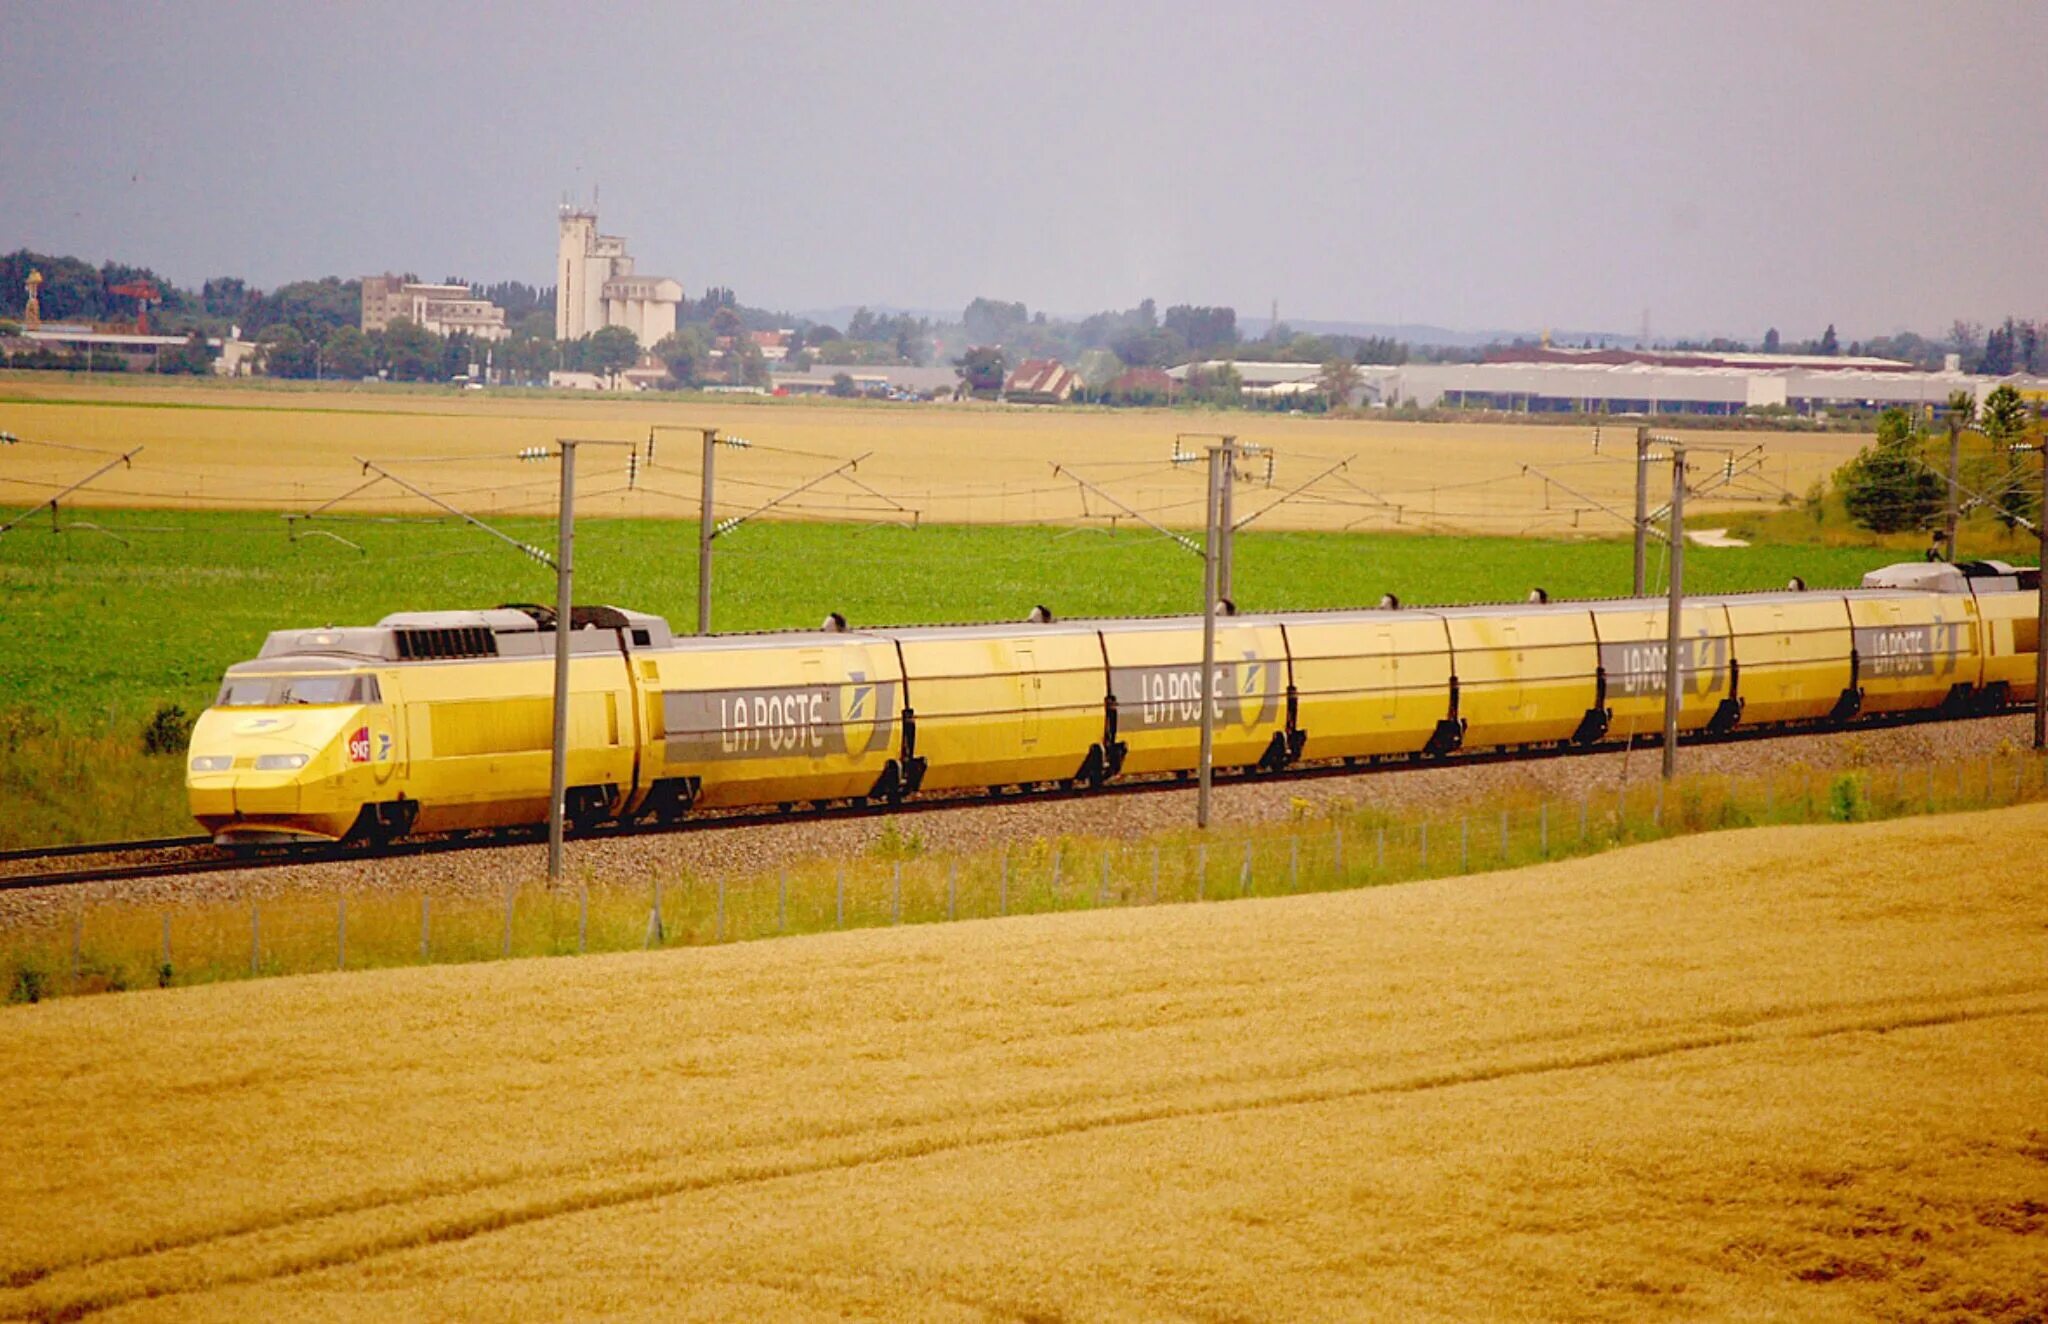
(284, 691)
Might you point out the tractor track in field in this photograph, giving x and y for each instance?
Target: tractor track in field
(172, 857)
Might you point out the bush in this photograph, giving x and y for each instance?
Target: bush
(1846, 800)
(168, 732)
(1886, 487)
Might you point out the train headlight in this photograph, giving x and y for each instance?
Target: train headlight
(280, 762)
(213, 763)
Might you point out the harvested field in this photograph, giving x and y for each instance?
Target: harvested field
(1786, 1073)
(237, 447)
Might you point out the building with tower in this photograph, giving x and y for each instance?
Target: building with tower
(596, 286)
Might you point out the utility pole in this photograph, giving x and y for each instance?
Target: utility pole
(1226, 527)
(1221, 458)
(2041, 610)
(1955, 492)
(1673, 610)
(1642, 504)
(565, 575)
(704, 534)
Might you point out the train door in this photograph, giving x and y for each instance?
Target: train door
(1029, 686)
(1387, 703)
(387, 735)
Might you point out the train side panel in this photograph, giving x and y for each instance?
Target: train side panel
(1525, 675)
(768, 720)
(2008, 633)
(1792, 657)
(478, 736)
(1004, 708)
(1912, 649)
(1371, 685)
(1633, 638)
(1156, 675)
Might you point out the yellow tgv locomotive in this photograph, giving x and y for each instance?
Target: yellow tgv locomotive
(439, 721)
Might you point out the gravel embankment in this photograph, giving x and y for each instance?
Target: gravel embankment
(1399, 790)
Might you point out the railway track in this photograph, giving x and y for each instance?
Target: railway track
(180, 856)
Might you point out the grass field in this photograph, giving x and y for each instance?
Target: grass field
(233, 446)
(95, 634)
(1767, 1075)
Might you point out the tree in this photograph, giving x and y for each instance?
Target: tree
(842, 385)
(983, 369)
(685, 354)
(346, 356)
(1829, 344)
(725, 321)
(1771, 341)
(285, 352)
(988, 321)
(612, 350)
(1887, 488)
(747, 365)
(1340, 379)
(1203, 328)
(411, 352)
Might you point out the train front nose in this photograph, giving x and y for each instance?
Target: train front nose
(263, 774)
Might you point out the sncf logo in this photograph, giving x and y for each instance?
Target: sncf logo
(359, 745)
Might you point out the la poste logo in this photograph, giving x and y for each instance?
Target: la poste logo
(359, 745)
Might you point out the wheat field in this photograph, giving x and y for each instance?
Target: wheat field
(1768, 1074)
(241, 446)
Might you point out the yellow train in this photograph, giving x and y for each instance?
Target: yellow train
(438, 721)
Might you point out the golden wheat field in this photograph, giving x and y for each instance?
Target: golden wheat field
(1762, 1075)
(240, 446)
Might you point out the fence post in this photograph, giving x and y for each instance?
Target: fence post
(1543, 828)
(839, 896)
(952, 889)
(1425, 845)
(508, 919)
(1337, 853)
(1294, 864)
(1657, 810)
(896, 894)
(1244, 875)
(1464, 844)
(341, 932)
(1102, 892)
(1503, 834)
(1003, 887)
(164, 966)
(1379, 849)
(782, 900)
(255, 940)
(1155, 873)
(426, 930)
(1585, 806)
(583, 917)
(1055, 873)
(1202, 873)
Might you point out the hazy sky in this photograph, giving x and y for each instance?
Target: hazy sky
(1726, 166)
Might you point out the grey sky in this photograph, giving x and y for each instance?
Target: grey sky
(1726, 166)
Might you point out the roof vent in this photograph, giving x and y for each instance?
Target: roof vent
(416, 645)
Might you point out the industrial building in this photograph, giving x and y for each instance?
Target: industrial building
(1803, 385)
(445, 310)
(597, 287)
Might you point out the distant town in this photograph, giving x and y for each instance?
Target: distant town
(605, 326)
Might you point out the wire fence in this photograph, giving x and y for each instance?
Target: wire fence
(115, 945)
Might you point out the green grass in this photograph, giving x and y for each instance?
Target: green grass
(95, 634)
(116, 945)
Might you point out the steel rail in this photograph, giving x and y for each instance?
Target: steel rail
(225, 860)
